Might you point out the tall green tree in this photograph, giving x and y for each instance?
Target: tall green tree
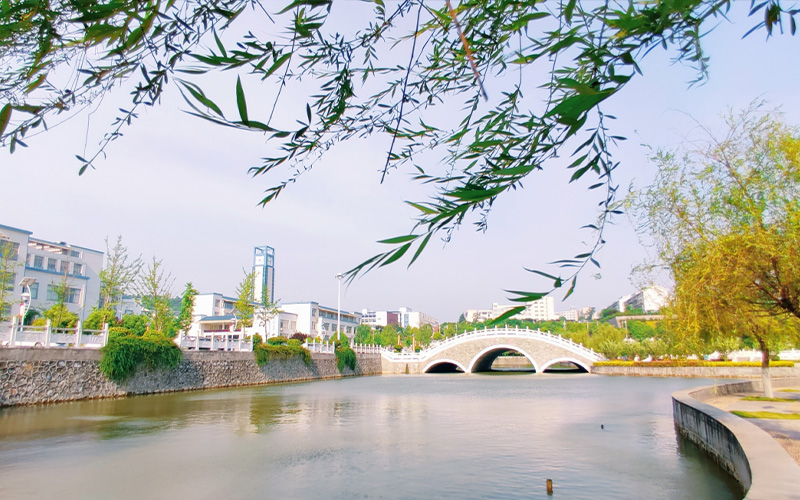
(245, 307)
(389, 72)
(725, 220)
(184, 321)
(118, 275)
(153, 287)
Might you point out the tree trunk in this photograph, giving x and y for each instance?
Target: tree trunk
(765, 380)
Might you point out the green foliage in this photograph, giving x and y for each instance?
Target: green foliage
(772, 415)
(9, 264)
(118, 274)
(277, 340)
(587, 52)
(135, 323)
(118, 331)
(244, 308)
(153, 286)
(61, 317)
(98, 318)
(257, 340)
(364, 335)
(184, 320)
(641, 330)
(264, 353)
(693, 363)
(123, 354)
(294, 342)
(345, 356)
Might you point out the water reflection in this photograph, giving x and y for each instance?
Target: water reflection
(442, 436)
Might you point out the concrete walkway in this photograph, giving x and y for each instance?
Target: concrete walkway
(785, 432)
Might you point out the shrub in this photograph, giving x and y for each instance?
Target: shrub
(118, 331)
(693, 362)
(257, 340)
(124, 353)
(345, 356)
(294, 342)
(136, 323)
(299, 336)
(265, 353)
(98, 317)
(277, 340)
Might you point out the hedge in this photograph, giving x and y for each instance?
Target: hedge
(265, 353)
(678, 363)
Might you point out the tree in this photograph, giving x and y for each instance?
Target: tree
(364, 335)
(184, 321)
(725, 220)
(244, 307)
(9, 253)
(59, 316)
(100, 317)
(118, 274)
(588, 52)
(154, 289)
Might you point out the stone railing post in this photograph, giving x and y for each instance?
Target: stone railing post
(78, 331)
(12, 339)
(47, 334)
(105, 334)
(197, 342)
(48, 329)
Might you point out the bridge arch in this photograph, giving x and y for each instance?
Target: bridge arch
(438, 362)
(574, 361)
(484, 359)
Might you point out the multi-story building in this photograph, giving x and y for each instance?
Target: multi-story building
(538, 310)
(320, 321)
(52, 268)
(214, 312)
(650, 299)
(403, 317)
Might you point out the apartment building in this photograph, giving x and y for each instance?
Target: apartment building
(317, 320)
(538, 310)
(51, 266)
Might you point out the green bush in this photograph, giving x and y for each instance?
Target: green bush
(118, 331)
(345, 356)
(294, 342)
(265, 353)
(125, 353)
(257, 340)
(277, 340)
(693, 362)
(98, 317)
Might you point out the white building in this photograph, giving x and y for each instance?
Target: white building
(538, 310)
(650, 299)
(403, 317)
(214, 312)
(320, 321)
(52, 265)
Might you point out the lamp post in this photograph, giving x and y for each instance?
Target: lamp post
(339, 305)
(25, 304)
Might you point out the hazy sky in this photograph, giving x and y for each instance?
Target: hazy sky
(177, 188)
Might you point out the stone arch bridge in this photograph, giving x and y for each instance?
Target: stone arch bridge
(475, 351)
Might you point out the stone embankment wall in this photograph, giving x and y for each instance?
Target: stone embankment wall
(757, 461)
(696, 371)
(29, 375)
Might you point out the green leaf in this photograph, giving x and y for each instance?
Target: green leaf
(277, 64)
(571, 288)
(241, 103)
(526, 296)
(420, 249)
(5, 117)
(397, 254)
(511, 312)
(400, 239)
(422, 208)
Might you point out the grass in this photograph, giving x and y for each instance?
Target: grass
(767, 414)
(676, 363)
(771, 400)
(789, 390)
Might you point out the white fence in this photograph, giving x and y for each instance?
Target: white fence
(224, 341)
(16, 335)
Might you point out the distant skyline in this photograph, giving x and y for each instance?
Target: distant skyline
(177, 188)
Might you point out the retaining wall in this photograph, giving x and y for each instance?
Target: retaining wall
(763, 468)
(30, 376)
(696, 371)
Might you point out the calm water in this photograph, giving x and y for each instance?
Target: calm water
(434, 436)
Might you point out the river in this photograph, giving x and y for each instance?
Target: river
(455, 436)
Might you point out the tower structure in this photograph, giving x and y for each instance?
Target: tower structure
(264, 274)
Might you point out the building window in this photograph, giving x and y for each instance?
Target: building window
(34, 288)
(77, 269)
(75, 253)
(13, 250)
(64, 267)
(51, 293)
(73, 296)
(51, 264)
(38, 262)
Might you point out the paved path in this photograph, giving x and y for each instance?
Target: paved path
(785, 432)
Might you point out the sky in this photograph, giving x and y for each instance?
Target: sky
(177, 189)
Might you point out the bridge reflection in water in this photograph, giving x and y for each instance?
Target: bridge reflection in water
(477, 351)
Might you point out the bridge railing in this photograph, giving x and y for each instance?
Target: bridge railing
(488, 333)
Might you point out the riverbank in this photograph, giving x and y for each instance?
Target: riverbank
(32, 376)
(765, 467)
(746, 372)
